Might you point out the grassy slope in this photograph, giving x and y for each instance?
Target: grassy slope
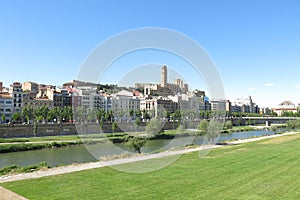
(257, 170)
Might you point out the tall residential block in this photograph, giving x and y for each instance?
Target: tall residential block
(17, 94)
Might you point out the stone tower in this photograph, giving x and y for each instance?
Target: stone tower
(164, 75)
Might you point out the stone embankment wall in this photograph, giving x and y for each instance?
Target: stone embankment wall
(18, 130)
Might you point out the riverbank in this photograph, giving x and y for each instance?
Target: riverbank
(8, 145)
(92, 165)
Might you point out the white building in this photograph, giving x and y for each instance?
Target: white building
(218, 105)
(286, 106)
(98, 101)
(6, 106)
(246, 105)
(188, 102)
(125, 101)
(159, 104)
(86, 94)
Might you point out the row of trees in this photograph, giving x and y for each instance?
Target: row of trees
(290, 114)
(99, 115)
(204, 125)
(45, 114)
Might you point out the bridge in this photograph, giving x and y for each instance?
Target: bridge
(261, 120)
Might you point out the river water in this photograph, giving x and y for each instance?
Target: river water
(89, 153)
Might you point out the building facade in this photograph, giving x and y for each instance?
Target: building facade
(125, 101)
(30, 86)
(6, 107)
(17, 94)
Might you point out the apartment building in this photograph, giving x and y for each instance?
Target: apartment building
(6, 107)
(125, 101)
(16, 92)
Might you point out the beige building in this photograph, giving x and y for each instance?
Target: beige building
(38, 103)
(30, 86)
(159, 104)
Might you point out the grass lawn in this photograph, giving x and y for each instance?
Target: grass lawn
(267, 169)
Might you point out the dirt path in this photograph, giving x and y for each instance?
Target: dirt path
(93, 165)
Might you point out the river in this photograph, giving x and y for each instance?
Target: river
(80, 154)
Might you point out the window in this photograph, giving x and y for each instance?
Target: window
(8, 102)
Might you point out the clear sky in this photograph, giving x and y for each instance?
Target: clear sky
(254, 44)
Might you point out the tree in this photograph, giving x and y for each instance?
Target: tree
(137, 123)
(114, 127)
(274, 129)
(108, 116)
(28, 113)
(136, 143)
(154, 126)
(228, 125)
(79, 113)
(101, 124)
(131, 112)
(91, 115)
(100, 115)
(51, 115)
(214, 129)
(44, 112)
(67, 113)
(3, 118)
(203, 126)
(293, 124)
(145, 115)
(138, 113)
(180, 129)
(35, 128)
(16, 116)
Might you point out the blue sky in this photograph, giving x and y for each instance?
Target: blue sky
(254, 44)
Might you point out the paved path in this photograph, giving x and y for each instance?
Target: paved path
(9, 195)
(93, 165)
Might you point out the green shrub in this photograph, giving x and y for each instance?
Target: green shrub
(228, 125)
(17, 169)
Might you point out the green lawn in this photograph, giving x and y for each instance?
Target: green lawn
(267, 169)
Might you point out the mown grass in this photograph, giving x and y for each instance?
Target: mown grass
(256, 170)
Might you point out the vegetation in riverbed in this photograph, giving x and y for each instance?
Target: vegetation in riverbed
(13, 169)
(7, 148)
(12, 140)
